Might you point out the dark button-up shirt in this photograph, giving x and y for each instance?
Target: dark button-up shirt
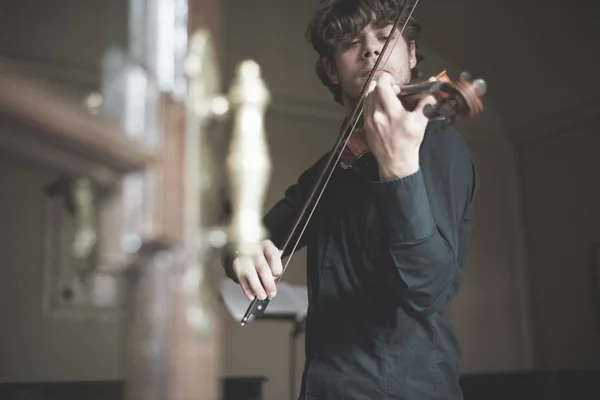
(384, 260)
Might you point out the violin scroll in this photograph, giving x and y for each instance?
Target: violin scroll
(462, 98)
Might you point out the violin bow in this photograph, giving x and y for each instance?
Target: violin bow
(257, 307)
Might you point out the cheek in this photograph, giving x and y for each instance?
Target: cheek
(401, 55)
(346, 62)
(402, 61)
(347, 67)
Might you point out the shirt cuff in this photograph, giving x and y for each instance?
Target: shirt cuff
(404, 208)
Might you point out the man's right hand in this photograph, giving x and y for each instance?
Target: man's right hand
(257, 275)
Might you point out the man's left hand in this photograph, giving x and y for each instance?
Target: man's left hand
(394, 134)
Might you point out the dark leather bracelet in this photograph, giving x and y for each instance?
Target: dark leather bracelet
(227, 259)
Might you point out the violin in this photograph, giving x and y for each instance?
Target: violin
(452, 100)
(462, 98)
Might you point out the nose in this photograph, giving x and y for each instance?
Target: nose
(370, 53)
(372, 48)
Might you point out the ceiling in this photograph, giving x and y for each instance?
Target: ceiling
(537, 56)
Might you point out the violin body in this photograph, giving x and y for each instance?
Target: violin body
(455, 99)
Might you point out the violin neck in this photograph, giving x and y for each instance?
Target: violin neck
(410, 101)
(411, 94)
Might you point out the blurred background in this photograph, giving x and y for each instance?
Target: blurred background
(528, 314)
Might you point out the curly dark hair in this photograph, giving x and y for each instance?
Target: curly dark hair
(339, 21)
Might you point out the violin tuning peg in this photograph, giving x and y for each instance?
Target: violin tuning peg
(479, 86)
(431, 111)
(464, 77)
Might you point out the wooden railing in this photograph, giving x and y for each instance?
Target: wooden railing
(44, 126)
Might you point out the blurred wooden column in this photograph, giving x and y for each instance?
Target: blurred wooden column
(136, 192)
(202, 14)
(167, 357)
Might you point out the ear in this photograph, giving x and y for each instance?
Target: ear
(330, 71)
(412, 54)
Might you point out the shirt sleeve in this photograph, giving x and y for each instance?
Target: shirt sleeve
(280, 218)
(427, 220)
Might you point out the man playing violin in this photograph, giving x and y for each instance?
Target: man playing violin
(387, 244)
